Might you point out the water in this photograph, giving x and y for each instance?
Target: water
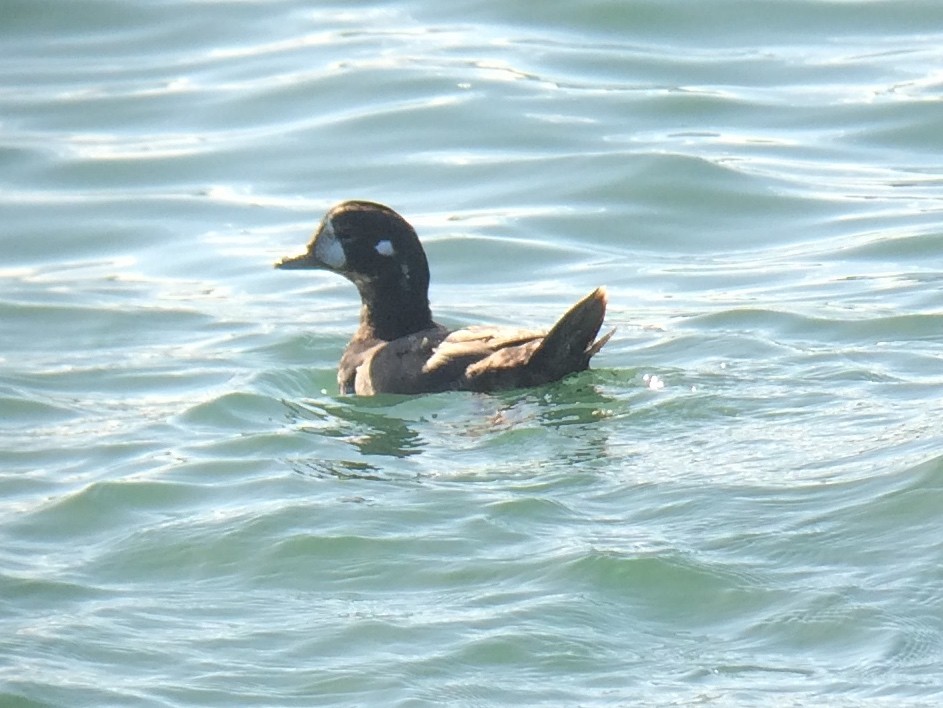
(739, 505)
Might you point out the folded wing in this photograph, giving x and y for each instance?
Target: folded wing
(486, 358)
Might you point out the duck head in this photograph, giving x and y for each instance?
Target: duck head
(379, 252)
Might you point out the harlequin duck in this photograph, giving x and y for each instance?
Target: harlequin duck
(398, 348)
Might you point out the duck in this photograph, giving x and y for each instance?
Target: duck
(399, 349)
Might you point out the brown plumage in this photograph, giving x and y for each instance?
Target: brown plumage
(398, 348)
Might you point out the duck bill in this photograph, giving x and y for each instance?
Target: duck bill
(325, 252)
(302, 262)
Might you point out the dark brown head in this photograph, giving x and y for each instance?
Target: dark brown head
(378, 251)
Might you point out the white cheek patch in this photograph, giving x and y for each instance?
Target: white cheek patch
(328, 248)
(385, 248)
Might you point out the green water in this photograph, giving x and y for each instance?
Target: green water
(739, 505)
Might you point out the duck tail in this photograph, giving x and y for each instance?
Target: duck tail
(571, 342)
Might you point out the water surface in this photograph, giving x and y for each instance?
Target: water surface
(739, 505)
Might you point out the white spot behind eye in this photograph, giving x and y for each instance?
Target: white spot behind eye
(385, 248)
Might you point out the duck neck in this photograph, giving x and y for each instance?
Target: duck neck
(390, 314)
